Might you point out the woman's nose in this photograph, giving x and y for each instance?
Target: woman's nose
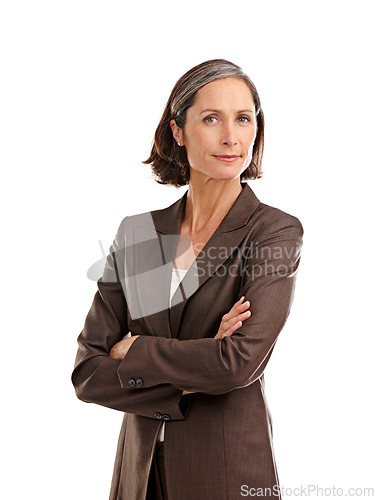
(229, 135)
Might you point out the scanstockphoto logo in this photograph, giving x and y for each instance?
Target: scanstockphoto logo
(96, 270)
(255, 262)
(310, 490)
(142, 260)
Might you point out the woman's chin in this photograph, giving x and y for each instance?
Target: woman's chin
(224, 173)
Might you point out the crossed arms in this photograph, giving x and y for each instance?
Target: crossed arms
(169, 366)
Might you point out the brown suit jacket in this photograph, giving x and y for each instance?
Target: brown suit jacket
(218, 441)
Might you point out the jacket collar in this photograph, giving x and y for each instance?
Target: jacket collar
(168, 220)
(229, 234)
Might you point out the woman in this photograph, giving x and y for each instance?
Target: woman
(181, 280)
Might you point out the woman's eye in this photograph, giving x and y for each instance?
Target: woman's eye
(211, 119)
(208, 118)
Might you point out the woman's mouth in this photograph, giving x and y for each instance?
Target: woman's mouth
(227, 157)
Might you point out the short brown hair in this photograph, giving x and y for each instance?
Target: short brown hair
(168, 161)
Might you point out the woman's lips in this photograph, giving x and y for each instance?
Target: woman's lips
(227, 157)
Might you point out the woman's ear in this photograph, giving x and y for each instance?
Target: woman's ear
(177, 132)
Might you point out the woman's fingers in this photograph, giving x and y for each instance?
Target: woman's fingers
(226, 325)
(231, 326)
(234, 318)
(237, 308)
(232, 329)
(238, 312)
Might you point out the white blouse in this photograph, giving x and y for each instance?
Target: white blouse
(177, 277)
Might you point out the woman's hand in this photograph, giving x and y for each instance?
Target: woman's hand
(120, 349)
(233, 319)
(231, 322)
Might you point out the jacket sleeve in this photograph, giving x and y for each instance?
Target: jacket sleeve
(95, 377)
(218, 366)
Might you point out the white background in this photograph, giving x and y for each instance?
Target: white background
(83, 87)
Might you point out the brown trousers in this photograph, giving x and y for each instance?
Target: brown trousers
(157, 487)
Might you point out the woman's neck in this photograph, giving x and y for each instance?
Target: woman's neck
(207, 203)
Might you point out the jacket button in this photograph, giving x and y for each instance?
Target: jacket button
(158, 415)
(131, 382)
(139, 382)
(166, 416)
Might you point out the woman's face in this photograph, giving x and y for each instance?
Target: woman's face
(220, 129)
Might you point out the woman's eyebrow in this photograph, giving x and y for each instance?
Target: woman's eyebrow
(219, 111)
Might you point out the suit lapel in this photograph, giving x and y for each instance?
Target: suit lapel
(227, 237)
